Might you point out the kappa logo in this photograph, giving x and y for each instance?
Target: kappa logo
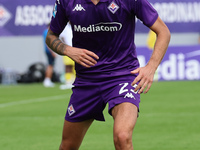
(5, 16)
(130, 95)
(71, 110)
(113, 7)
(78, 7)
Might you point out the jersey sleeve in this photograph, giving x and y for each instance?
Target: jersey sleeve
(145, 12)
(59, 17)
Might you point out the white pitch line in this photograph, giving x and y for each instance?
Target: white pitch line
(42, 99)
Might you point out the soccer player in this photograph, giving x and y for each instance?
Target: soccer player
(106, 64)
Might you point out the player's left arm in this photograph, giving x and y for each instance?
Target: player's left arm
(146, 74)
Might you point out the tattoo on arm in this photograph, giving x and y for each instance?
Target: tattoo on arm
(55, 43)
(57, 46)
(60, 48)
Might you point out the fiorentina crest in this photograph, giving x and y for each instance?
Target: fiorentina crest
(5, 16)
(71, 110)
(113, 7)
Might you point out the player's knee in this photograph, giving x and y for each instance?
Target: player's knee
(122, 139)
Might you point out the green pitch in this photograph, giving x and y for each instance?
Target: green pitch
(31, 118)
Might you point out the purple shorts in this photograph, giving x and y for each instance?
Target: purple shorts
(89, 98)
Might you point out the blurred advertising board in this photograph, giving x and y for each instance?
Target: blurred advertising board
(179, 15)
(30, 17)
(24, 17)
(179, 63)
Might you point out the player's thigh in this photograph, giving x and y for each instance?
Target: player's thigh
(125, 117)
(74, 132)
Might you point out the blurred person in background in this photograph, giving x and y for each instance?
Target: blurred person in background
(66, 37)
(151, 39)
(51, 61)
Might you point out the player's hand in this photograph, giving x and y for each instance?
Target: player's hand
(145, 78)
(82, 56)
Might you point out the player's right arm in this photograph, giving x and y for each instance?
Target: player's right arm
(81, 56)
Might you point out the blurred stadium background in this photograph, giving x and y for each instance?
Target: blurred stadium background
(31, 116)
(23, 22)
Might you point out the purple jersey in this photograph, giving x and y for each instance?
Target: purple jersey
(107, 29)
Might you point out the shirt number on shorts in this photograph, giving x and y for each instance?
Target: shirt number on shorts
(124, 89)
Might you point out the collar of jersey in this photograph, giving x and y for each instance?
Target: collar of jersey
(101, 1)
